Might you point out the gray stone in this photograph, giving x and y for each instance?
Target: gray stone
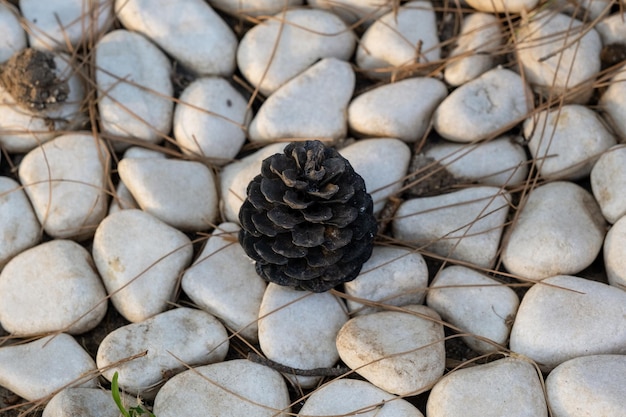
(13, 37)
(613, 103)
(608, 180)
(85, 402)
(614, 261)
(241, 8)
(503, 6)
(354, 11)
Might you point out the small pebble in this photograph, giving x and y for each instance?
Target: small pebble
(13, 37)
(139, 259)
(90, 402)
(354, 11)
(612, 28)
(608, 180)
(311, 105)
(255, 8)
(613, 103)
(614, 261)
(565, 317)
(399, 352)
(503, 6)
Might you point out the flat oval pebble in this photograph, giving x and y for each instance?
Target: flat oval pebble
(475, 303)
(357, 398)
(65, 180)
(613, 103)
(566, 142)
(36, 370)
(13, 37)
(399, 352)
(481, 108)
(224, 282)
(254, 7)
(139, 259)
(229, 389)
(210, 120)
(180, 193)
(19, 228)
(298, 329)
(506, 387)
(400, 110)
(134, 87)
(402, 37)
(311, 105)
(608, 180)
(51, 287)
(565, 317)
(173, 341)
(353, 11)
(465, 225)
(90, 402)
(614, 261)
(392, 276)
(558, 230)
(204, 43)
(503, 6)
(599, 388)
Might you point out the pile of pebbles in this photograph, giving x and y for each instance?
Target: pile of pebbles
(490, 138)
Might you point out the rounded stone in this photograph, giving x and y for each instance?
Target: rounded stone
(612, 28)
(503, 6)
(243, 8)
(13, 37)
(90, 402)
(614, 261)
(613, 103)
(608, 180)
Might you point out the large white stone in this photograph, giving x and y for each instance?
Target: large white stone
(465, 225)
(210, 120)
(558, 230)
(614, 260)
(608, 180)
(13, 38)
(400, 352)
(503, 6)
(613, 103)
(180, 193)
(139, 259)
(566, 142)
(298, 329)
(37, 369)
(65, 180)
(188, 30)
(311, 105)
(134, 87)
(507, 387)
(229, 389)
(242, 8)
(272, 52)
(400, 110)
(483, 107)
(354, 11)
(51, 287)
(172, 341)
(565, 317)
(90, 402)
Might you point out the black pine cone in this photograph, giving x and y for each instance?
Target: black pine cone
(307, 220)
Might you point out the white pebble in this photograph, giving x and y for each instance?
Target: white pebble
(400, 110)
(483, 107)
(139, 259)
(608, 180)
(559, 230)
(565, 317)
(13, 38)
(91, 402)
(311, 105)
(503, 6)
(354, 11)
(613, 103)
(612, 29)
(241, 8)
(614, 261)
(465, 225)
(399, 352)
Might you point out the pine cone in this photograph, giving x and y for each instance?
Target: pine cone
(307, 220)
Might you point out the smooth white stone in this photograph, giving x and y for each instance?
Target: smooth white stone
(503, 6)
(22, 130)
(392, 276)
(54, 23)
(566, 142)
(612, 29)
(66, 180)
(608, 180)
(592, 9)
(465, 225)
(211, 119)
(236, 176)
(51, 287)
(614, 261)
(354, 11)
(399, 352)
(134, 87)
(242, 8)
(272, 52)
(476, 304)
(37, 369)
(180, 193)
(19, 228)
(139, 259)
(382, 162)
(203, 42)
(559, 55)
(229, 389)
(483, 107)
(348, 397)
(507, 387)
(613, 103)
(298, 329)
(393, 40)
(311, 105)
(565, 317)
(224, 282)
(89, 402)
(499, 162)
(399, 110)
(588, 386)
(13, 38)
(481, 36)
(173, 341)
(558, 230)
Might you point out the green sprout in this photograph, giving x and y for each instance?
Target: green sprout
(132, 411)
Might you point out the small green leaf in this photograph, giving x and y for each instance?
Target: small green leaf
(115, 393)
